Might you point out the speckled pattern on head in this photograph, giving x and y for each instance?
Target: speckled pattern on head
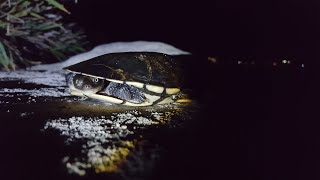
(145, 67)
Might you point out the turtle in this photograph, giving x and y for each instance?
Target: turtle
(128, 78)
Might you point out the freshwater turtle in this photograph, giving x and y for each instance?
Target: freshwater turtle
(129, 78)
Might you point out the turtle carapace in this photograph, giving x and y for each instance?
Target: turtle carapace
(129, 78)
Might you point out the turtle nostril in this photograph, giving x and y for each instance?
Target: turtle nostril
(87, 86)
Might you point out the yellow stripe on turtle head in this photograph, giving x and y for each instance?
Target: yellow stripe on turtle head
(76, 93)
(135, 84)
(166, 101)
(156, 89)
(135, 104)
(115, 81)
(172, 90)
(151, 98)
(103, 98)
(184, 100)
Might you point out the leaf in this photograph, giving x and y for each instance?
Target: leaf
(3, 25)
(22, 13)
(16, 32)
(25, 3)
(11, 61)
(3, 53)
(47, 26)
(36, 15)
(59, 55)
(3, 57)
(80, 49)
(58, 5)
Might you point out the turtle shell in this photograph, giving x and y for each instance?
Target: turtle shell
(145, 67)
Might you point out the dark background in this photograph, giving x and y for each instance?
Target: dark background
(257, 29)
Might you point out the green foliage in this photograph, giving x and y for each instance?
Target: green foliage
(32, 31)
(5, 60)
(58, 5)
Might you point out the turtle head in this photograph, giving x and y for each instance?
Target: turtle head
(82, 83)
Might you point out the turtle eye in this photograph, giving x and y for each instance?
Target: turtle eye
(95, 80)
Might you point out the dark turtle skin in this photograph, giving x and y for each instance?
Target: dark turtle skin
(85, 83)
(130, 78)
(146, 67)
